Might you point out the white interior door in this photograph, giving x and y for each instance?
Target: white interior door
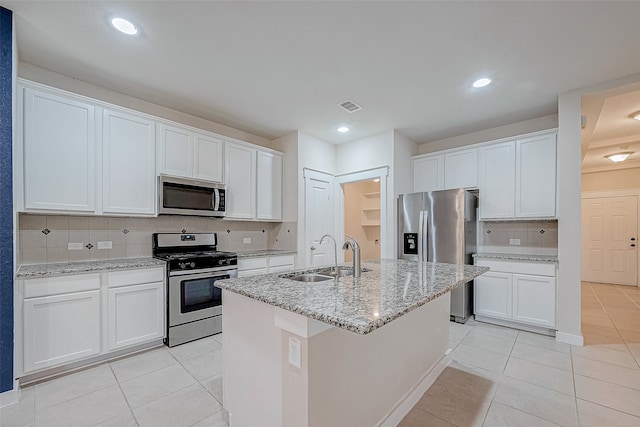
(319, 212)
(609, 240)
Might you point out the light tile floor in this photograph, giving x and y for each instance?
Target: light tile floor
(498, 377)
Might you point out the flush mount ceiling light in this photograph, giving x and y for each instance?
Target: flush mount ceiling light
(482, 82)
(343, 129)
(618, 157)
(376, 180)
(636, 115)
(124, 26)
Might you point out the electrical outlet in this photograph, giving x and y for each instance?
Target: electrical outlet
(515, 242)
(246, 240)
(74, 246)
(105, 245)
(294, 352)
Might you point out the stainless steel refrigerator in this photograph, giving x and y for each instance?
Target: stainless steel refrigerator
(440, 226)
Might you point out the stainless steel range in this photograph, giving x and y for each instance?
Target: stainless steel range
(194, 303)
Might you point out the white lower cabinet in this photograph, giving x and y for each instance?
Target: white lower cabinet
(136, 314)
(264, 265)
(493, 295)
(60, 329)
(518, 292)
(64, 317)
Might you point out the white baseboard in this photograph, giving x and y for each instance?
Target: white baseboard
(11, 396)
(570, 338)
(410, 400)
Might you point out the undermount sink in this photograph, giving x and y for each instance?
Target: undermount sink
(342, 271)
(309, 277)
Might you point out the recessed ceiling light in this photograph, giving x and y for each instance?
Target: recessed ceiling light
(618, 157)
(343, 129)
(124, 26)
(482, 82)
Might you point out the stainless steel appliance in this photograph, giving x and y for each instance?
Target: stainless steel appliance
(194, 303)
(440, 226)
(180, 196)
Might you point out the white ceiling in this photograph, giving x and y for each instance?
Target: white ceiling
(273, 67)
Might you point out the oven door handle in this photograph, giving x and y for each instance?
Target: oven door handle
(205, 272)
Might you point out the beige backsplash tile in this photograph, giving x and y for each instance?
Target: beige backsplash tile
(137, 241)
(495, 237)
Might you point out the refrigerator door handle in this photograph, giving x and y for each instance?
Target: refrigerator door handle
(423, 251)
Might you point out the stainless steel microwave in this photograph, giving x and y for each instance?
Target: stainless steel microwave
(183, 196)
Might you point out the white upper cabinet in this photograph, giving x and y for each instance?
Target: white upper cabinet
(175, 150)
(240, 178)
(254, 182)
(128, 164)
(58, 152)
(208, 158)
(461, 169)
(428, 173)
(189, 153)
(269, 173)
(536, 177)
(518, 178)
(497, 182)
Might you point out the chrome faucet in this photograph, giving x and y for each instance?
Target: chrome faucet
(355, 247)
(335, 251)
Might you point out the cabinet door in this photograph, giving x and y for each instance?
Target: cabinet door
(128, 164)
(60, 329)
(240, 178)
(536, 177)
(135, 314)
(461, 169)
(428, 173)
(175, 145)
(497, 177)
(534, 300)
(254, 272)
(269, 173)
(493, 295)
(58, 152)
(208, 158)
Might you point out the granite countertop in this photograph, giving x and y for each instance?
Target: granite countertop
(391, 289)
(518, 257)
(58, 269)
(264, 252)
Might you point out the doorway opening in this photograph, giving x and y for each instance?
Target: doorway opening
(362, 217)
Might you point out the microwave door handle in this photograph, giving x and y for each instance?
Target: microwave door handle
(216, 199)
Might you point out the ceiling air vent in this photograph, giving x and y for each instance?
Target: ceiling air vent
(350, 106)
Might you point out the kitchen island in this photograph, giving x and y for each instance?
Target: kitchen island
(337, 352)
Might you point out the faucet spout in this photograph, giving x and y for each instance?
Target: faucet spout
(355, 247)
(335, 251)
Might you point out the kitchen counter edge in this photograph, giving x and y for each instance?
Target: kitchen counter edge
(518, 257)
(264, 252)
(30, 271)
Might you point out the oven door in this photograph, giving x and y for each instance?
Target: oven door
(194, 296)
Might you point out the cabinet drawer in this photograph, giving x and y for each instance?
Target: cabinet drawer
(276, 261)
(46, 286)
(252, 263)
(134, 277)
(519, 267)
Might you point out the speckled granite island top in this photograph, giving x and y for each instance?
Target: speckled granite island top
(263, 252)
(517, 257)
(391, 289)
(58, 269)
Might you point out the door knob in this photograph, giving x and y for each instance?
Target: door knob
(633, 245)
(633, 239)
(313, 248)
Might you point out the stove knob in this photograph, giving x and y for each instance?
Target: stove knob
(228, 262)
(182, 265)
(192, 264)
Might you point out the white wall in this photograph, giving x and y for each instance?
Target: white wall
(40, 75)
(366, 153)
(611, 180)
(518, 128)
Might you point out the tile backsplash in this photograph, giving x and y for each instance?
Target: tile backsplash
(45, 238)
(536, 237)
